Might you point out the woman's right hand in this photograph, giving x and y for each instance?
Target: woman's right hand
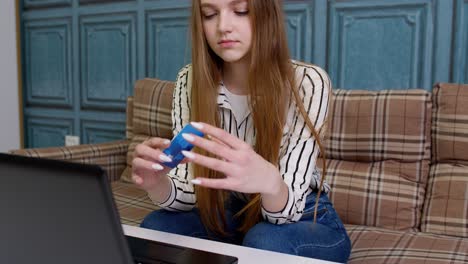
(147, 170)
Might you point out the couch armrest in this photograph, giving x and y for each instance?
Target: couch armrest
(111, 156)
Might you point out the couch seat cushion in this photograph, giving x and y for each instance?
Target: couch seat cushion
(385, 194)
(377, 245)
(446, 207)
(132, 202)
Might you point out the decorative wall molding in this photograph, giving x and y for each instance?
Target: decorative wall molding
(87, 2)
(108, 60)
(46, 3)
(299, 30)
(375, 45)
(168, 47)
(94, 131)
(460, 55)
(47, 131)
(48, 47)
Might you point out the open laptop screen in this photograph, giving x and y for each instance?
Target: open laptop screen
(57, 212)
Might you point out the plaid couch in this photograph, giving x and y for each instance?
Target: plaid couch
(397, 159)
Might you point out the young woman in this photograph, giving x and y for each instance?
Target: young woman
(253, 178)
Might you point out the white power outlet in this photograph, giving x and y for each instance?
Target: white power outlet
(72, 140)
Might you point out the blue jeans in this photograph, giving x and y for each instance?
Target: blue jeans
(327, 239)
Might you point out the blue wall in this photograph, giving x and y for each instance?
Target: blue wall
(81, 57)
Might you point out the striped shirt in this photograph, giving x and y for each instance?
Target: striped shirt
(298, 150)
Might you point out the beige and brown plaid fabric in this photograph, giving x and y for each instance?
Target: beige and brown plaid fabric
(129, 123)
(371, 126)
(450, 123)
(132, 202)
(381, 194)
(110, 156)
(446, 205)
(152, 105)
(376, 245)
(378, 151)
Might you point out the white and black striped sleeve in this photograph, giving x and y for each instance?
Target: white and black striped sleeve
(298, 160)
(182, 196)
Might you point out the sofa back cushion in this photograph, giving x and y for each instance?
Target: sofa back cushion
(150, 115)
(378, 151)
(446, 206)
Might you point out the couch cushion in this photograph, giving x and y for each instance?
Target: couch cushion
(152, 104)
(450, 123)
(369, 126)
(378, 151)
(383, 194)
(377, 245)
(132, 202)
(109, 155)
(446, 205)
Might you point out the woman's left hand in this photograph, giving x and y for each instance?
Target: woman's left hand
(245, 170)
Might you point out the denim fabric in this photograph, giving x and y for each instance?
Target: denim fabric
(327, 239)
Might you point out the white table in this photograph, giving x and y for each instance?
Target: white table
(244, 254)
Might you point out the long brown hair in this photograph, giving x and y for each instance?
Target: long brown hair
(271, 83)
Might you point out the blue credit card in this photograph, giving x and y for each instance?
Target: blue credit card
(174, 151)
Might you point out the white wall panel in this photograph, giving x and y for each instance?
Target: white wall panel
(9, 116)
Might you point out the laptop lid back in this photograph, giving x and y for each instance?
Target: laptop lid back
(57, 212)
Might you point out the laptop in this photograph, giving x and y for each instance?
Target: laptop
(61, 212)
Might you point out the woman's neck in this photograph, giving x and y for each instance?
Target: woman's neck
(235, 77)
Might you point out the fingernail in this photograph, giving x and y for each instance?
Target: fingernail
(188, 137)
(196, 125)
(137, 179)
(188, 154)
(165, 158)
(196, 181)
(167, 142)
(157, 167)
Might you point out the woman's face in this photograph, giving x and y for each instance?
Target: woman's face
(227, 28)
